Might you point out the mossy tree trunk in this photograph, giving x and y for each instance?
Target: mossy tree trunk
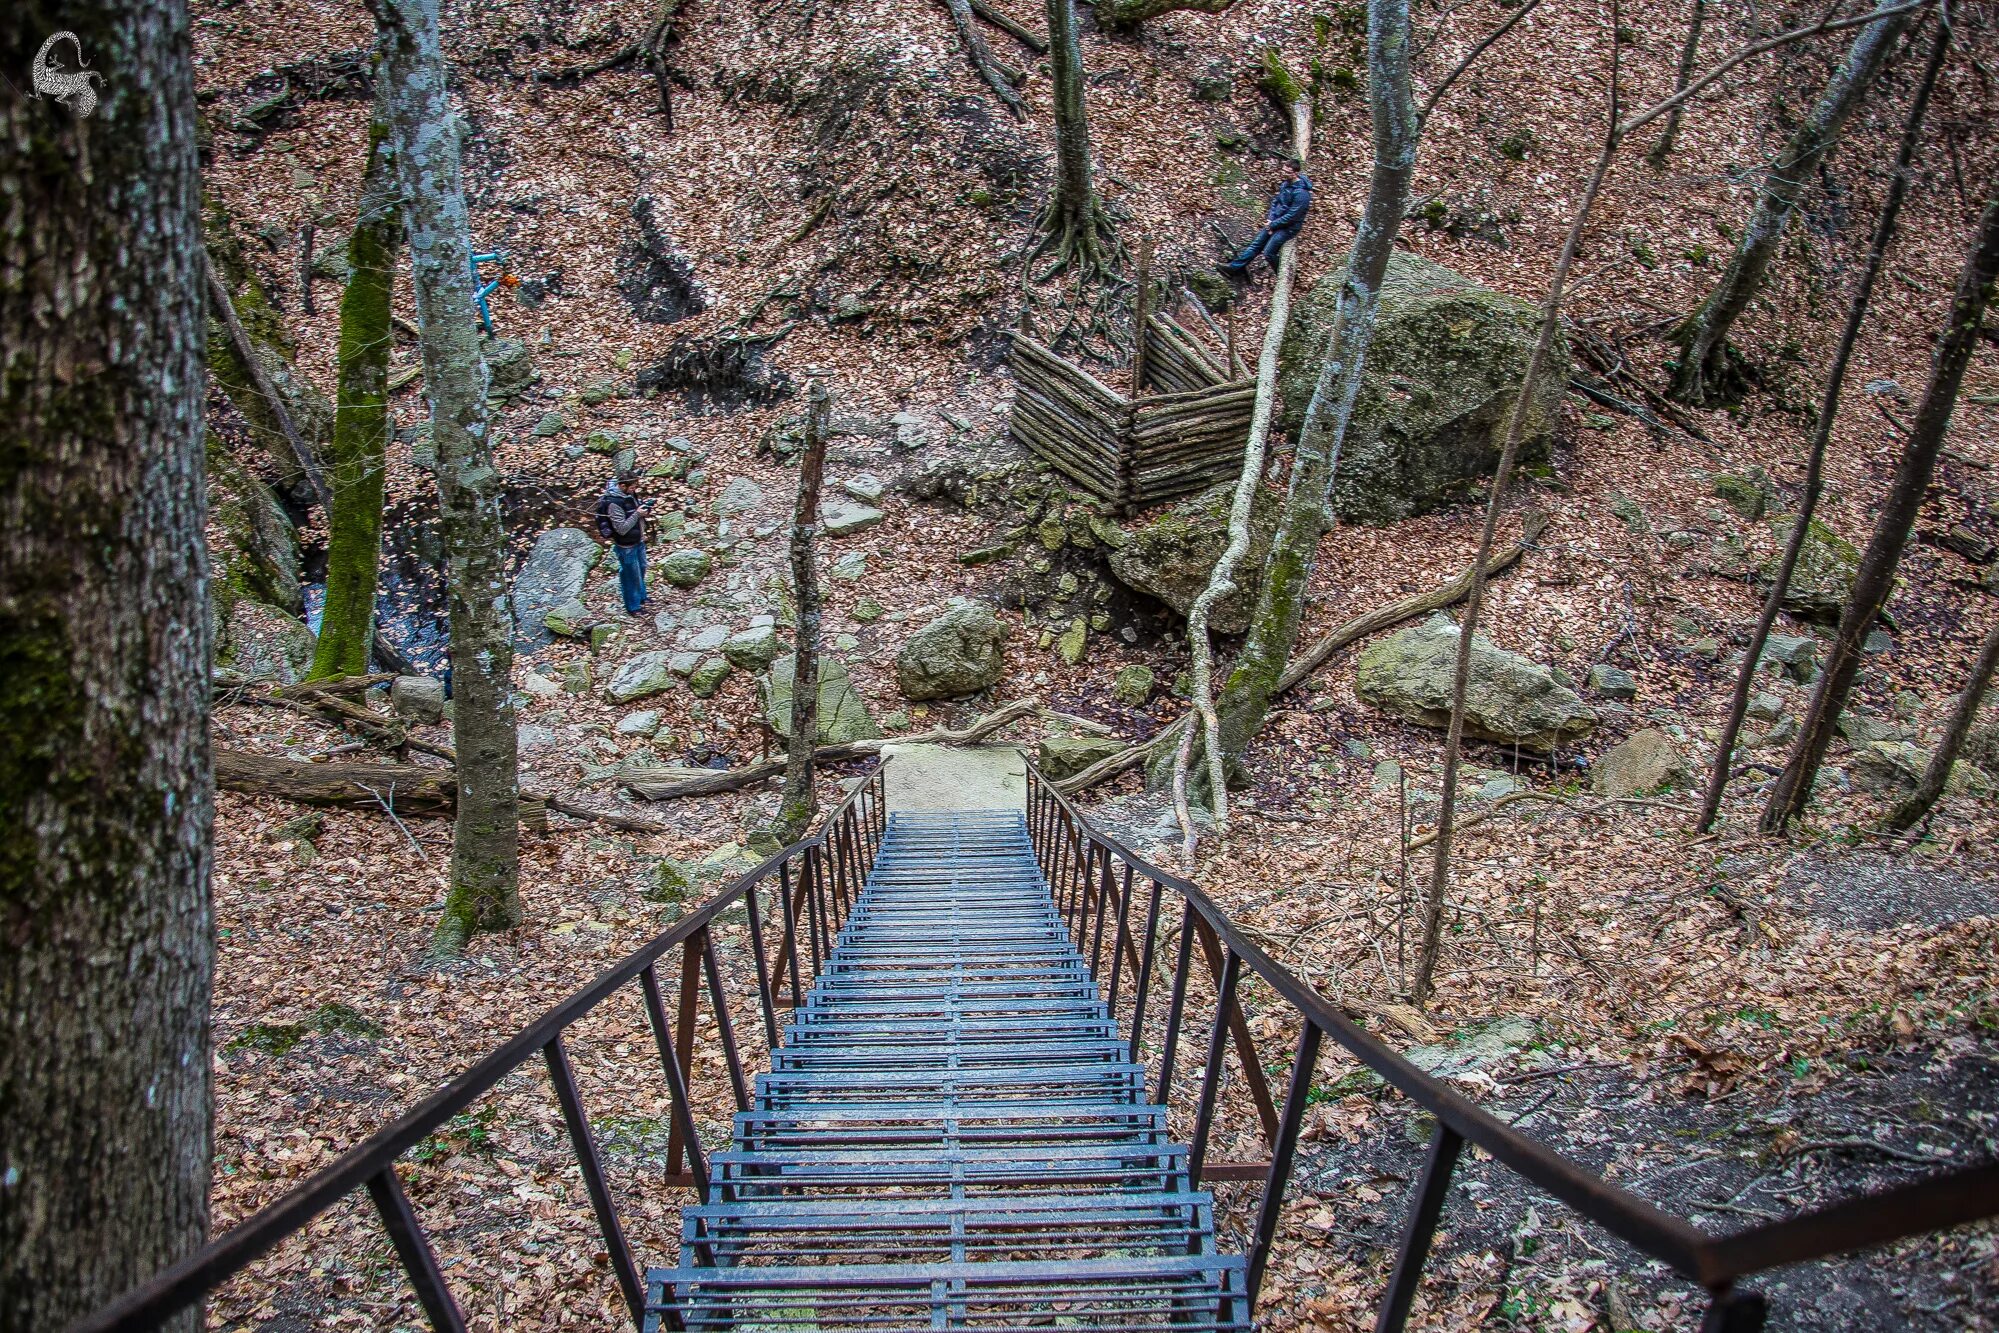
(361, 420)
(1294, 550)
(797, 805)
(106, 937)
(1835, 385)
(485, 847)
(1876, 577)
(1078, 230)
(1704, 375)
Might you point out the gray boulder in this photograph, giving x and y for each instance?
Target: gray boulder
(1827, 566)
(957, 653)
(648, 673)
(843, 715)
(843, 518)
(1793, 655)
(552, 574)
(1612, 682)
(1445, 365)
(1172, 556)
(684, 569)
(253, 544)
(1643, 763)
(740, 496)
(570, 619)
(1061, 757)
(1511, 700)
(417, 699)
(752, 649)
(264, 643)
(510, 367)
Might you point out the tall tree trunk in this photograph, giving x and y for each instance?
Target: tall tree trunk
(485, 846)
(361, 419)
(1856, 315)
(1294, 551)
(1703, 375)
(1936, 775)
(1077, 228)
(795, 809)
(1876, 578)
(106, 944)
(1689, 57)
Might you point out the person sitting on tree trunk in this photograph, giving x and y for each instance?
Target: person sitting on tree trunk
(621, 521)
(1285, 219)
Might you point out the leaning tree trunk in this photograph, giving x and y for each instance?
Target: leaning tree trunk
(485, 846)
(1876, 577)
(104, 656)
(1077, 228)
(1703, 375)
(1294, 551)
(361, 420)
(1936, 774)
(1801, 522)
(1689, 57)
(795, 808)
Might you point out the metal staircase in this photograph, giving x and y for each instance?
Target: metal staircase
(952, 1134)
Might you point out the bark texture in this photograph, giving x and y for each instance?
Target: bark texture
(485, 847)
(1078, 229)
(1856, 315)
(1876, 578)
(796, 806)
(1280, 603)
(361, 420)
(106, 947)
(1703, 376)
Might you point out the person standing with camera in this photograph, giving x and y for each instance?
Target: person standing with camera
(621, 521)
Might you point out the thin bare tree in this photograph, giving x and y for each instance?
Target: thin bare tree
(1689, 59)
(1936, 774)
(796, 806)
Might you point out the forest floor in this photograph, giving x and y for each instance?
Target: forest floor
(1736, 1027)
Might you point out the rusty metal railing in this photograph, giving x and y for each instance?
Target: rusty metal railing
(816, 881)
(1111, 897)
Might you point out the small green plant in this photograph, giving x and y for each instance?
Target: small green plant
(1516, 146)
(469, 1133)
(270, 1038)
(1697, 255)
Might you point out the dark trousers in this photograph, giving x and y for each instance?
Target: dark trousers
(1266, 243)
(632, 575)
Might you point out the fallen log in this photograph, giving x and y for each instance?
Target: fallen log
(1314, 657)
(750, 775)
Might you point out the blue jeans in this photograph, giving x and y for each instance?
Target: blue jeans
(1267, 243)
(632, 575)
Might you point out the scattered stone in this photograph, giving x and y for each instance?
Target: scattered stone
(985, 555)
(1895, 768)
(1968, 543)
(1782, 732)
(540, 686)
(851, 566)
(530, 738)
(509, 368)
(752, 649)
(1706, 646)
(1511, 700)
(740, 496)
(1612, 682)
(417, 699)
(1642, 764)
(1794, 655)
(707, 677)
(552, 575)
(550, 425)
(598, 392)
(845, 643)
(1627, 511)
(601, 635)
(1446, 362)
(843, 518)
(865, 486)
(1765, 707)
(1823, 579)
(1133, 686)
(642, 723)
(682, 663)
(957, 653)
(263, 643)
(647, 673)
(570, 619)
(1172, 556)
(843, 714)
(911, 431)
(1061, 757)
(1878, 641)
(866, 610)
(1747, 492)
(603, 442)
(685, 568)
(1479, 1049)
(1073, 642)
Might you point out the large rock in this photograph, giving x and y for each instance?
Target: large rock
(1510, 700)
(1445, 365)
(646, 674)
(1061, 757)
(1172, 556)
(253, 544)
(1643, 763)
(552, 575)
(957, 653)
(264, 643)
(509, 367)
(1823, 579)
(843, 715)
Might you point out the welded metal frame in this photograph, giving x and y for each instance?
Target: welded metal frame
(847, 840)
(1078, 861)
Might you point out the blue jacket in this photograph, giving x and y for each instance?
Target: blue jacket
(1293, 201)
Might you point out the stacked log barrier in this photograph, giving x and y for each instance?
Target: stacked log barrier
(1184, 436)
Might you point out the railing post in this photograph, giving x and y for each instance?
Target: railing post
(764, 996)
(1735, 1310)
(682, 1110)
(1281, 1152)
(1176, 1007)
(1144, 977)
(1424, 1210)
(811, 885)
(1211, 1077)
(1102, 886)
(418, 1260)
(683, 1044)
(592, 1166)
(787, 952)
(1121, 941)
(720, 999)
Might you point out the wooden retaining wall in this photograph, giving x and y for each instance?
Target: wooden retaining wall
(1135, 452)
